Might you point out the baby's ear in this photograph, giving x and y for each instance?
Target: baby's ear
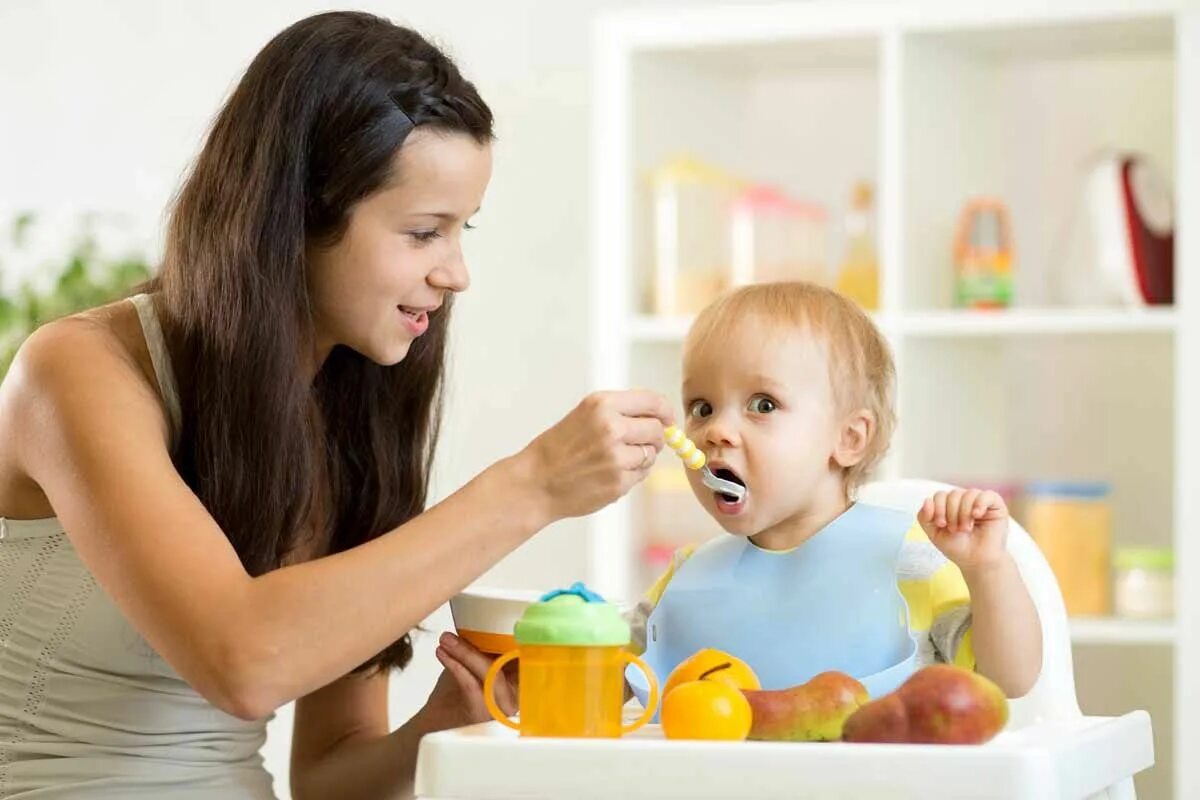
(858, 429)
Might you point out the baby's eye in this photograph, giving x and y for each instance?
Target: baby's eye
(761, 405)
(700, 409)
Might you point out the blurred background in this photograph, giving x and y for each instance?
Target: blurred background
(999, 188)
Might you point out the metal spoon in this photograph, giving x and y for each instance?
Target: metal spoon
(694, 459)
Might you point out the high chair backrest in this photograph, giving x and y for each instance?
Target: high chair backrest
(1053, 696)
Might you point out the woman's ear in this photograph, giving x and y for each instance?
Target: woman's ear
(858, 429)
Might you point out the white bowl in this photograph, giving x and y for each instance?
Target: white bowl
(485, 617)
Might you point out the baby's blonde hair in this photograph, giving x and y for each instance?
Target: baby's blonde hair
(862, 372)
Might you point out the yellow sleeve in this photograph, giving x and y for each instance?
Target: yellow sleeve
(947, 589)
(936, 593)
(659, 587)
(964, 655)
(639, 614)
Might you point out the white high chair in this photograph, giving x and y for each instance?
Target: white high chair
(1053, 696)
(1049, 751)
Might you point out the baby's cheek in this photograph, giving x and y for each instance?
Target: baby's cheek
(785, 490)
(701, 491)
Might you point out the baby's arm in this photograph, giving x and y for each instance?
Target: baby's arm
(1007, 634)
(971, 528)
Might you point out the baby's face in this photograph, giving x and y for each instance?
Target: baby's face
(759, 403)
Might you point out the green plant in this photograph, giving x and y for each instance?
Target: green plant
(86, 278)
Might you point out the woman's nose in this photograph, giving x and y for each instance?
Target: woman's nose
(452, 274)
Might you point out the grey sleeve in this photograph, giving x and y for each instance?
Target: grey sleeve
(636, 617)
(948, 630)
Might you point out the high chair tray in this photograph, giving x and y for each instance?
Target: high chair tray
(1056, 760)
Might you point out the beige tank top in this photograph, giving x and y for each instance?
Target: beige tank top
(87, 707)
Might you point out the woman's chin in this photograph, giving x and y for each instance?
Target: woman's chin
(389, 356)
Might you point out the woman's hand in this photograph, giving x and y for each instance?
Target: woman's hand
(457, 698)
(599, 451)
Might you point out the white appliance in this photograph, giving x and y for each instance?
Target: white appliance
(1123, 253)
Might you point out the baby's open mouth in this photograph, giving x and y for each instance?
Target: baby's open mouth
(726, 474)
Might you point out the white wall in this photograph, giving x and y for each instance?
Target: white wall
(102, 106)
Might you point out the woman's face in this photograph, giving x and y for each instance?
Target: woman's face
(401, 254)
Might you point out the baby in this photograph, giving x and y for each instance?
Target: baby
(788, 390)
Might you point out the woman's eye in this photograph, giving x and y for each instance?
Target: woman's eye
(468, 226)
(424, 237)
(700, 408)
(762, 405)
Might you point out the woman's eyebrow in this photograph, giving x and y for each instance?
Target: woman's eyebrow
(449, 216)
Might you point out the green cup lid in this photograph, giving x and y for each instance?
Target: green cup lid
(574, 617)
(1144, 558)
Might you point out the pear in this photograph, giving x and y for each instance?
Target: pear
(939, 704)
(811, 712)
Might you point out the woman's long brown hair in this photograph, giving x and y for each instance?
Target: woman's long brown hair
(283, 461)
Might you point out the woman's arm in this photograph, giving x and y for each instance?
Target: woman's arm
(341, 746)
(339, 726)
(91, 434)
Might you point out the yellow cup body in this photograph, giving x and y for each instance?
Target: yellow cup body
(570, 691)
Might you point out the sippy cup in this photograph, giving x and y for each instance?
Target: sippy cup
(572, 649)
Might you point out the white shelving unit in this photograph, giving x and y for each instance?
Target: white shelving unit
(1034, 322)
(1105, 631)
(936, 102)
(956, 324)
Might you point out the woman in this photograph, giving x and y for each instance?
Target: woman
(211, 496)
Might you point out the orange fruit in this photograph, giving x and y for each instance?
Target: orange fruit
(706, 709)
(734, 671)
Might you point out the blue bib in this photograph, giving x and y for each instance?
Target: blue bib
(831, 604)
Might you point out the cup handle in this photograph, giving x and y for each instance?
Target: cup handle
(489, 686)
(651, 701)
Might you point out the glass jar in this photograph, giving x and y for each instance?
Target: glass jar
(858, 276)
(692, 202)
(775, 237)
(1072, 524)
(1145, 583)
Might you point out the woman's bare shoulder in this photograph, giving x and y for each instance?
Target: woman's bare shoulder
(63, 364)
(104, 342)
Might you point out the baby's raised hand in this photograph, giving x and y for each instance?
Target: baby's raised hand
(969, 526)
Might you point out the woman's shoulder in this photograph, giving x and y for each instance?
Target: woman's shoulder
(101, 349)
(110, 334)
(82, 377)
